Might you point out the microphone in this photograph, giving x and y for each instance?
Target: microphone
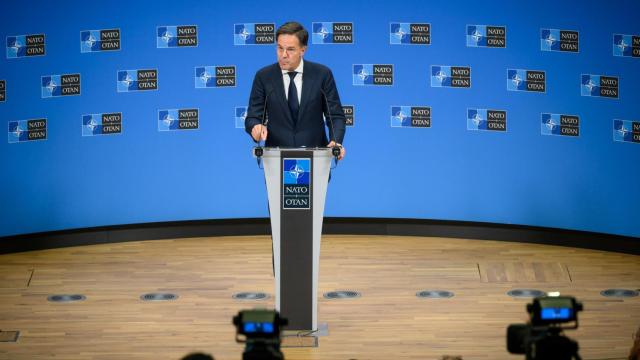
(265, 121)
(335, 151)
(258, 151)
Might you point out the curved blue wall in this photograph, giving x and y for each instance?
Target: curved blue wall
(590, 182)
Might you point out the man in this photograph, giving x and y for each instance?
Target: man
(295, 94)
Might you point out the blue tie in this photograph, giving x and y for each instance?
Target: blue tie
(293, 97)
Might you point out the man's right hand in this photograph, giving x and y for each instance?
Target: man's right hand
(259, 132)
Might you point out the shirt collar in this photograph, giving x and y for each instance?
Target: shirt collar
(299, 69)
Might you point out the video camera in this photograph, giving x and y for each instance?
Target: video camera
(542, 337)
(260, 330)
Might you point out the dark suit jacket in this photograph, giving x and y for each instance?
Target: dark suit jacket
(309, 130)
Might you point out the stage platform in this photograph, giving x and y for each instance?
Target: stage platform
(388, 320)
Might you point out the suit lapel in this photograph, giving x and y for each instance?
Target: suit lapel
(308, 83)
(279, 93)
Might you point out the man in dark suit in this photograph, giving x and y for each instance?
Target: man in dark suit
(295, 94)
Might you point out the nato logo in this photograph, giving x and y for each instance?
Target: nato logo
(25, 45)
(560, 124)
(372, 74)
(486, 36)
(526, 80)
(99, 40)
(626, 45)
(176, 36)
(411, 116)
(486, 119)
(215, 76)
(559, 40)
(332, 33)
(178, 119)
(241, 115)
(101, 124)
(599, 86)
(27, 130)
(254, 34)
(60, 85)
(296, 183)
(626, 131)
(3, 90)
(137, 80)
(349, 114)
(409, 33)
(450, 76)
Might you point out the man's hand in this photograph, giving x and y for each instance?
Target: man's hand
(259, 132)
(342, 150)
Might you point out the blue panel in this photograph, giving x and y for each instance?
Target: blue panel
(448, 170)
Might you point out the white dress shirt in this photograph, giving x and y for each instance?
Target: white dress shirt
(297, 80)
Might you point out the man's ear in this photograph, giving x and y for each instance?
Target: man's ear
(302, 51)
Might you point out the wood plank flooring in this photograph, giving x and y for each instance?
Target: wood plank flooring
(387, 322)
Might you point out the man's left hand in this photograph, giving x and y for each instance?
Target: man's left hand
(342, 150)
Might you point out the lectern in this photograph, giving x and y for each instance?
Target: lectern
(297, 186)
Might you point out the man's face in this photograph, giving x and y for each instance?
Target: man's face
(290, 52)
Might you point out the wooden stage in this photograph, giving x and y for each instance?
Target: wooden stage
(387, 322)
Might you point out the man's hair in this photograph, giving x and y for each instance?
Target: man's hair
(635, 349)
(294, 28)
(198, 356)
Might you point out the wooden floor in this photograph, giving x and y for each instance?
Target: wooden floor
(387, 322)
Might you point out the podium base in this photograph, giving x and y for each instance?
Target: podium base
(304, 338)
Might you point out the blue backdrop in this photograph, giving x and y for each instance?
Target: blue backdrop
(520, 176)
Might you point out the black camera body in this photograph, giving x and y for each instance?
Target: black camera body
(260, 330)
(542, 337)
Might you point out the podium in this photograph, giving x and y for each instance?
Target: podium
(297, 180)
